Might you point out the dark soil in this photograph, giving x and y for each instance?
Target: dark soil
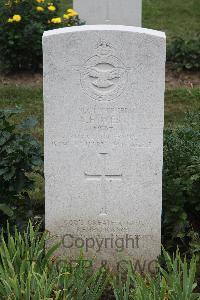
(182, 79)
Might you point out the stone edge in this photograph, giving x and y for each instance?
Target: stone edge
(121, 28)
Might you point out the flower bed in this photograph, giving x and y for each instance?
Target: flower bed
(22, 23)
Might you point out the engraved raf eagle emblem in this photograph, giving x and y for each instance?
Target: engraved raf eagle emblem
(103, 75)
(103, 78)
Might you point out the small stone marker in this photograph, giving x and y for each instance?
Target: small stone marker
(123, 12)
(104, 109)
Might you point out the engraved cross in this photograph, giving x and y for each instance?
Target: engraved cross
(103, 177)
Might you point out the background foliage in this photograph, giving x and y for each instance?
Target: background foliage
(22, 24)
(181, 182)
(21, 157)
(184, 54)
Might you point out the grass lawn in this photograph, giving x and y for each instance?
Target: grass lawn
(177, 102)
(175, 17)
(27, 98)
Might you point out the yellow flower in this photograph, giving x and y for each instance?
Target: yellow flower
(39, 8)
(56, 20)
(40, 1)
(17, 18)
(65, 16)
(72, 13)
(10, 20)
(51, 8)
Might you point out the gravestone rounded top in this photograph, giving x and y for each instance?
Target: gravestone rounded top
(104, 28)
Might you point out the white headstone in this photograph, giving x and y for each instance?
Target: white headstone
(103, 109)
(123, 12)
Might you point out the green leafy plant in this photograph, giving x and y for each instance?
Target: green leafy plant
(29, 271)
(22, 23)
(180, 277)
(122, 289)
(181, 182)
(21, 156)
(175, 280)
(184, 54)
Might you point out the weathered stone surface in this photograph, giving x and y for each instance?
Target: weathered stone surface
(128, 12)
(103, 110)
